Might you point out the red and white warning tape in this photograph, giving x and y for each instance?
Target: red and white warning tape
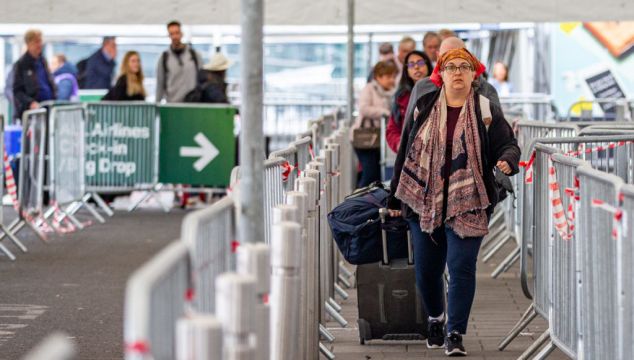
(560, 218)
(9, 180)
(528, 165)
(599, 148)
(618, 214)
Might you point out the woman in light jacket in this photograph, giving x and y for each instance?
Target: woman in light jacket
(374, 104)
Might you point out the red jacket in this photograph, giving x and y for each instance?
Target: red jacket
(395, 124)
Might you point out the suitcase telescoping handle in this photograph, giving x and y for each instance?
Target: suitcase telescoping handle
(383, 214)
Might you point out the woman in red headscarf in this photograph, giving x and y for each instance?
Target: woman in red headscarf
(444, 186)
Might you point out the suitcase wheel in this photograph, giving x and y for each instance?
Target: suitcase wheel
(364, 331)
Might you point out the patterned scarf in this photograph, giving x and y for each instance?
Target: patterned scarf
(421, 185)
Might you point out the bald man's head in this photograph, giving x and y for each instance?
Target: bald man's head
(450, 43)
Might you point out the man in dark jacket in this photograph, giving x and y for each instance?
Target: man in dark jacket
(32, 82)
(100, 65)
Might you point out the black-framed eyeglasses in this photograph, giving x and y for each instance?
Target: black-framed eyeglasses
(420, 63)
(451, 69)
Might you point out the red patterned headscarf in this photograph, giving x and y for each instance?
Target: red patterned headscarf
(456, 54)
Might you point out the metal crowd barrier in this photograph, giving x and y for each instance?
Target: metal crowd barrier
(120, 138)
(210, 236)
(530, 107)
(156, 295)
(574, 272)
(303, 263)
(506, 224)
(625, 288)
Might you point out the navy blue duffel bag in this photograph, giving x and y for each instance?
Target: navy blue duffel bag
(356, 227)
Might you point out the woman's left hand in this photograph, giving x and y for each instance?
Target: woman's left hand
(504, 166)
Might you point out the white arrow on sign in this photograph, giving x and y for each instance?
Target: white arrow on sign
(206, 152)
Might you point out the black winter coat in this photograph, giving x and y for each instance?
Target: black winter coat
(26, 86)
(497, 143)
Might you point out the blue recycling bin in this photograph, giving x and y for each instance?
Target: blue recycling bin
(13, 140)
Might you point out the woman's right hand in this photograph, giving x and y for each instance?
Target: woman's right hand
(394, 213)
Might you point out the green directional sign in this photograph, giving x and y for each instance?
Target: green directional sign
(197, 144)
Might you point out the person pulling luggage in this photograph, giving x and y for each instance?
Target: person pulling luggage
(444, 186)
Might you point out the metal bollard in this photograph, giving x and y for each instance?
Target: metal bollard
(199, 338)
(308, 187)
(235, 305)
(285, 290)
(255, 260)
(285, 212)
(57, 346)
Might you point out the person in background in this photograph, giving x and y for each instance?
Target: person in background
(374, 104)
(177, 69)
(214, 87)
(65, 74)
(100, 65)
(417, 66)
(386, 53)
(444, 186)
(431, 45)
(446, 33)
(129, 86)
(32, 82)
(500, 80)
(405, 46)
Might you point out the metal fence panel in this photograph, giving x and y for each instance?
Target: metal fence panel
(273, 192)
(290, 168)
(66, 154)
(121, 146)
(155, 300)
(597, 263)
(32, 172)
(563, 270)
(210, 236)
(626, 275)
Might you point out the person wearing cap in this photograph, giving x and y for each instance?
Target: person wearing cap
(444, 186)
(214, 87)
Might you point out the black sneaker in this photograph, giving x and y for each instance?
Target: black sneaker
(435, 334)
(453, 345)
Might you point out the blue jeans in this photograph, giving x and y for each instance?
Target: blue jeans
(370, 166)
(431, 254)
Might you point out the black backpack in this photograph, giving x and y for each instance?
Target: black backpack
(81, 73)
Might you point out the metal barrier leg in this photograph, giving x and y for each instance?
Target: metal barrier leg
(149, 194)
(347, 273)
(102, 204)
(8, 233)
(492, 237)
(335, 315)
(543, 338)
(547, 350)
(92, 211)
(327, 353)
(327, 335)
(498, 246)
(7, 252)
(344, 281)
(529, 315)
(507, 263)
(335, 305)
(72, 219)
(341, 292)
(37, 231)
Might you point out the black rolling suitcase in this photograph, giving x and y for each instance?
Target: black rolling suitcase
(390, 307)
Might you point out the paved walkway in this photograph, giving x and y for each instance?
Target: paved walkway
(76, 283)
(498, 306)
